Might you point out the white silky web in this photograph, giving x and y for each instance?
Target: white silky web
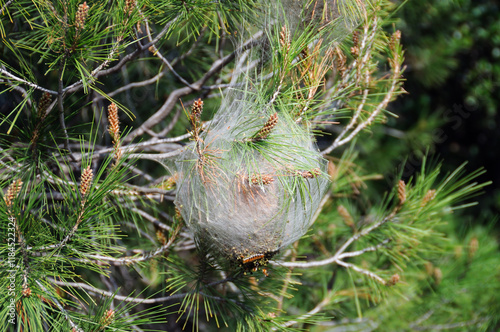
(246, 198)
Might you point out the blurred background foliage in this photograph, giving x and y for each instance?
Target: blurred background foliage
(453, 80)
(452, 50)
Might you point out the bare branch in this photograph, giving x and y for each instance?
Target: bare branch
(7, 4)
(176, 94)
(336, 258)
(61, 308)
(362, 271)
(18, 79)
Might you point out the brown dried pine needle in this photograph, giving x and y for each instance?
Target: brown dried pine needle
(266, 129)
(86, 181)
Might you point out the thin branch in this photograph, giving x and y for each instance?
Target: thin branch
(362, 271)
(368, 249)
(172, 123)
(174, 96)
(157, 53)
(61, 308)
(136, 146)
(7, 4)
(395, 79)
(152, 219)
(32, 85)
(60, 96)
(102, 292)
(335, 258)
(137, 259)
(95, 73)
(440, 327)
(132, 85)
(312, 312)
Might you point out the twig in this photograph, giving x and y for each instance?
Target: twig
(172, 99)
(362, 271)
(132, 85)
(340, 251)
(128, 57)
(131, 260)
(157, 53)
(395, 78)
(440, 327)
(61, 308)
(368, 249)
(136, 146)
(172, 123)
(312, 312)
(102, 292)
(33, 85)
(5, 6)
(60, 96)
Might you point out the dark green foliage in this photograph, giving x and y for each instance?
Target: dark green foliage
(90, 239)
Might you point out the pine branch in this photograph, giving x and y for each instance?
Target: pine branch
(178, 93)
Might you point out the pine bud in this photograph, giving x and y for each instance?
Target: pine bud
(169, 183)
(340, 61)
(266, 129)
(438, 276)
(346, 216)
(355, 38)
(161, 237)
(114, 123)
(178, 214)
(108, 317)
(395, 38)
(473, 246)
(85, 181)
(262, 179)
(12, 192)
(81, 16)
(196, 110)
(401, 192)
(429, 196)
(43, 104)
(285, 38)
(27, 292)
(429, 268)
(310, 174)
(394, 279)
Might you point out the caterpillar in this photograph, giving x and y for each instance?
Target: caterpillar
(252, 263)
(252, 258)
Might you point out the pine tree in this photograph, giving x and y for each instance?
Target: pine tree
(122, 214)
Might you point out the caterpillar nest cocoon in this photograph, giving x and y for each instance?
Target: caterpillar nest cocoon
(250, 184)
